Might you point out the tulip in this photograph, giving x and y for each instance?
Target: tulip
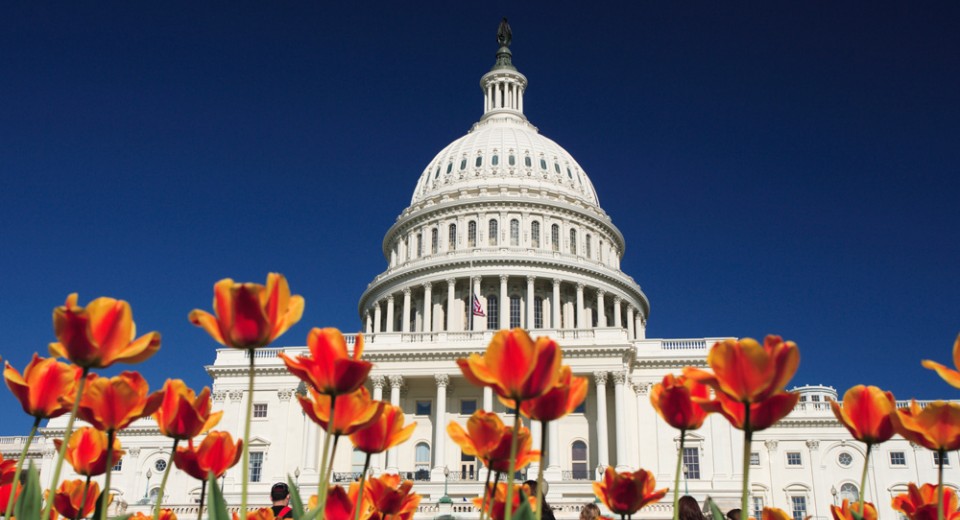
(330, 368)
(216, 454)
(515, 366)
(7, 471)
(763, 414)
(264, 513)
(496, 506)
(846, 510)
(5, 491)
(165, 514)
(112, 403)
(47, 387)
(182, 414)
(341, 504)
(100, 334)
(935, 427)
(249, 315)
(625, 493)
(384, 433)
(775, 513)
(352, 412)
(391, 496)
(490, 441)
(87, 451)
(74, 499)
(949, 375)
(921, 503)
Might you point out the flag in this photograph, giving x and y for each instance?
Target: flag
(477, 308)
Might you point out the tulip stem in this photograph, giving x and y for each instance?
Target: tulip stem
(942, 453)
(543, 450)
(676, 478)
(246, 440)
(163, 482)
(863, 477)
(747, 440)
(363, 477)
(23, 457)
(486, 489)
(203, 492)
(63, 447)
(514, 441)
(105, 494)
(324, 481)
(83, 500)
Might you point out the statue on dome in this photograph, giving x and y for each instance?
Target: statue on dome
(504, 34)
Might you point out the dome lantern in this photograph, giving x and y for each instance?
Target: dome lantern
(503, 86)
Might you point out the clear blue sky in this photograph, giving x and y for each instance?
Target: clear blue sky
(774, 167)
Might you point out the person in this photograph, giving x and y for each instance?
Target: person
(547, 510)
(689, 508)
(280, 494)
(589, 511)
(733, 514)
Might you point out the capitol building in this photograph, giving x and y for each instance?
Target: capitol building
(505, 229)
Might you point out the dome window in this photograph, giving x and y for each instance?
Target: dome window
(556, 168)
(449, 167)
(527, 162)
(535, 233)
(472, 233)
(495, 160)
(569, 173)
(435, 175)
(512, 160)
(463, 164)
(493, 232)
(543, 164)
(479, 162)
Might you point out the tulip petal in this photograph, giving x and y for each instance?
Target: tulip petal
(207, 322)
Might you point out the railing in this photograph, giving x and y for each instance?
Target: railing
(462, 476)
(807, 406)
(418, 475)
(576, 474)
(347, 476)
(683, 344)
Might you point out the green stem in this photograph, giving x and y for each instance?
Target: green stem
(83, 500)
(163, 483)
(105, 493)
(543, 450)
(514, 441)
(363, 477)
(203, 493)
(863, 477)
(486, 490)
(246, 438)
(63, 447)
(323, 480)
(676, 479)
(23, 457)
(747, 439)
(942, 454)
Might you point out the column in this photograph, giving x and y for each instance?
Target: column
(451, 294)
(427, 307)
(555, 305)
(504, 303)
(812, 447)
(378, 380)
(487, 399)
(405, 319)
(617, 319)
(647, 421)
(553, 472)
(478, 321)
(440, 429)
(368, 327)
(641, 327)
(389, 327)
(377, 317)
(601, 310)
(395, 383)
(603, 449)
(530, 305)
(619, 397)
(578, 319)
(630, 323)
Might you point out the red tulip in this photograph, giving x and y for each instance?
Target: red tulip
(496, 500)
(921, 503)
(216, 453)
(87, 451)
(182, 414)
(384, 433)
(68, 500)
(391, 495)
(330, 368)
(746, 371)
(673, 399)
(112, 403)
(561, 399)
(867, 413)
(47, 387)
(489, 440)
(763, 414)
(846, 510)
(353, 412)
(935, 426)
(625, 493)
(514, 366)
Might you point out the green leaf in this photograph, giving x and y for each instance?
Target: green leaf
(30, 503)
(524, 512)
(856, 514)
(217, 509)
(715, 511)
(296, 503)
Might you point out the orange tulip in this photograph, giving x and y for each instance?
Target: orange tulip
(182, 414)
(68, 500)
(867, 413)
(496, 500)
(763, 414)
(340, 503)
(112, 403)
(775, 513)
(165, 514)
(391, 496)
(935, 426)
(353, 412)
(384, 433)
(673, 400)
(558, 401)
(949, 375)
(250, 315)
(100, 334)
(216, 453)
(921, 503)
(264, 513)
(846, 510)
(746, 371)
(514, 366)
(625, 493)
(47, 387)
(8, 467)
(87, 451)
(489, 439)
(330, 368)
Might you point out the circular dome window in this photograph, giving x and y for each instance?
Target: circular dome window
(160, 465)
(845, 459)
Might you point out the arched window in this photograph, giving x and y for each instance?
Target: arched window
(543, 164)
(527, 162)
(538, 313)
(535, 233)
(452, 237)
(479, 162)
(419, 245)
(514, 232)
(434, 241)
(495, 160)
(493, 312)
(578, 461)
(472, 233)
(587, 246)
(449, 167)
(514, 312)
(573, 241)
(493, 232)
(422, 461)
(555, 237)
(463, 164)
(512, 160)
(849, 492)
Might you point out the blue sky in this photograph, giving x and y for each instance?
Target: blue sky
(775, 167)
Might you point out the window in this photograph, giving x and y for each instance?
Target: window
(419, 245)
(578, 458)
(449, 167)
(538, 312)
(493, 312)
(118, 466)
(936, 459)
(423, 407)
(691, 463)
(479, 162)
(527, 162)
(586, 245)
(849, 492)
(452, 237)
(160, 465)
(512, 160)
(556, 167)
(845, 459)
(815, 398)
(434, 241)
(897, 458)
(756, 504)
(463, 165)
(472, 233)
(259, 410)
(799, 506)
(514, 232)
(495, 160)
(555, 237)
(569, 173)
(754, 458)
(357, 460)
(492, 232)
(793, 458)
(256, 465)
(535, 234)
(514, 312)
(573, 241)
(437, 174)
(543, 164)
(422, 460)
(468, 406)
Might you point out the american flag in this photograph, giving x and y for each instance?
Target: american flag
(477, 308)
